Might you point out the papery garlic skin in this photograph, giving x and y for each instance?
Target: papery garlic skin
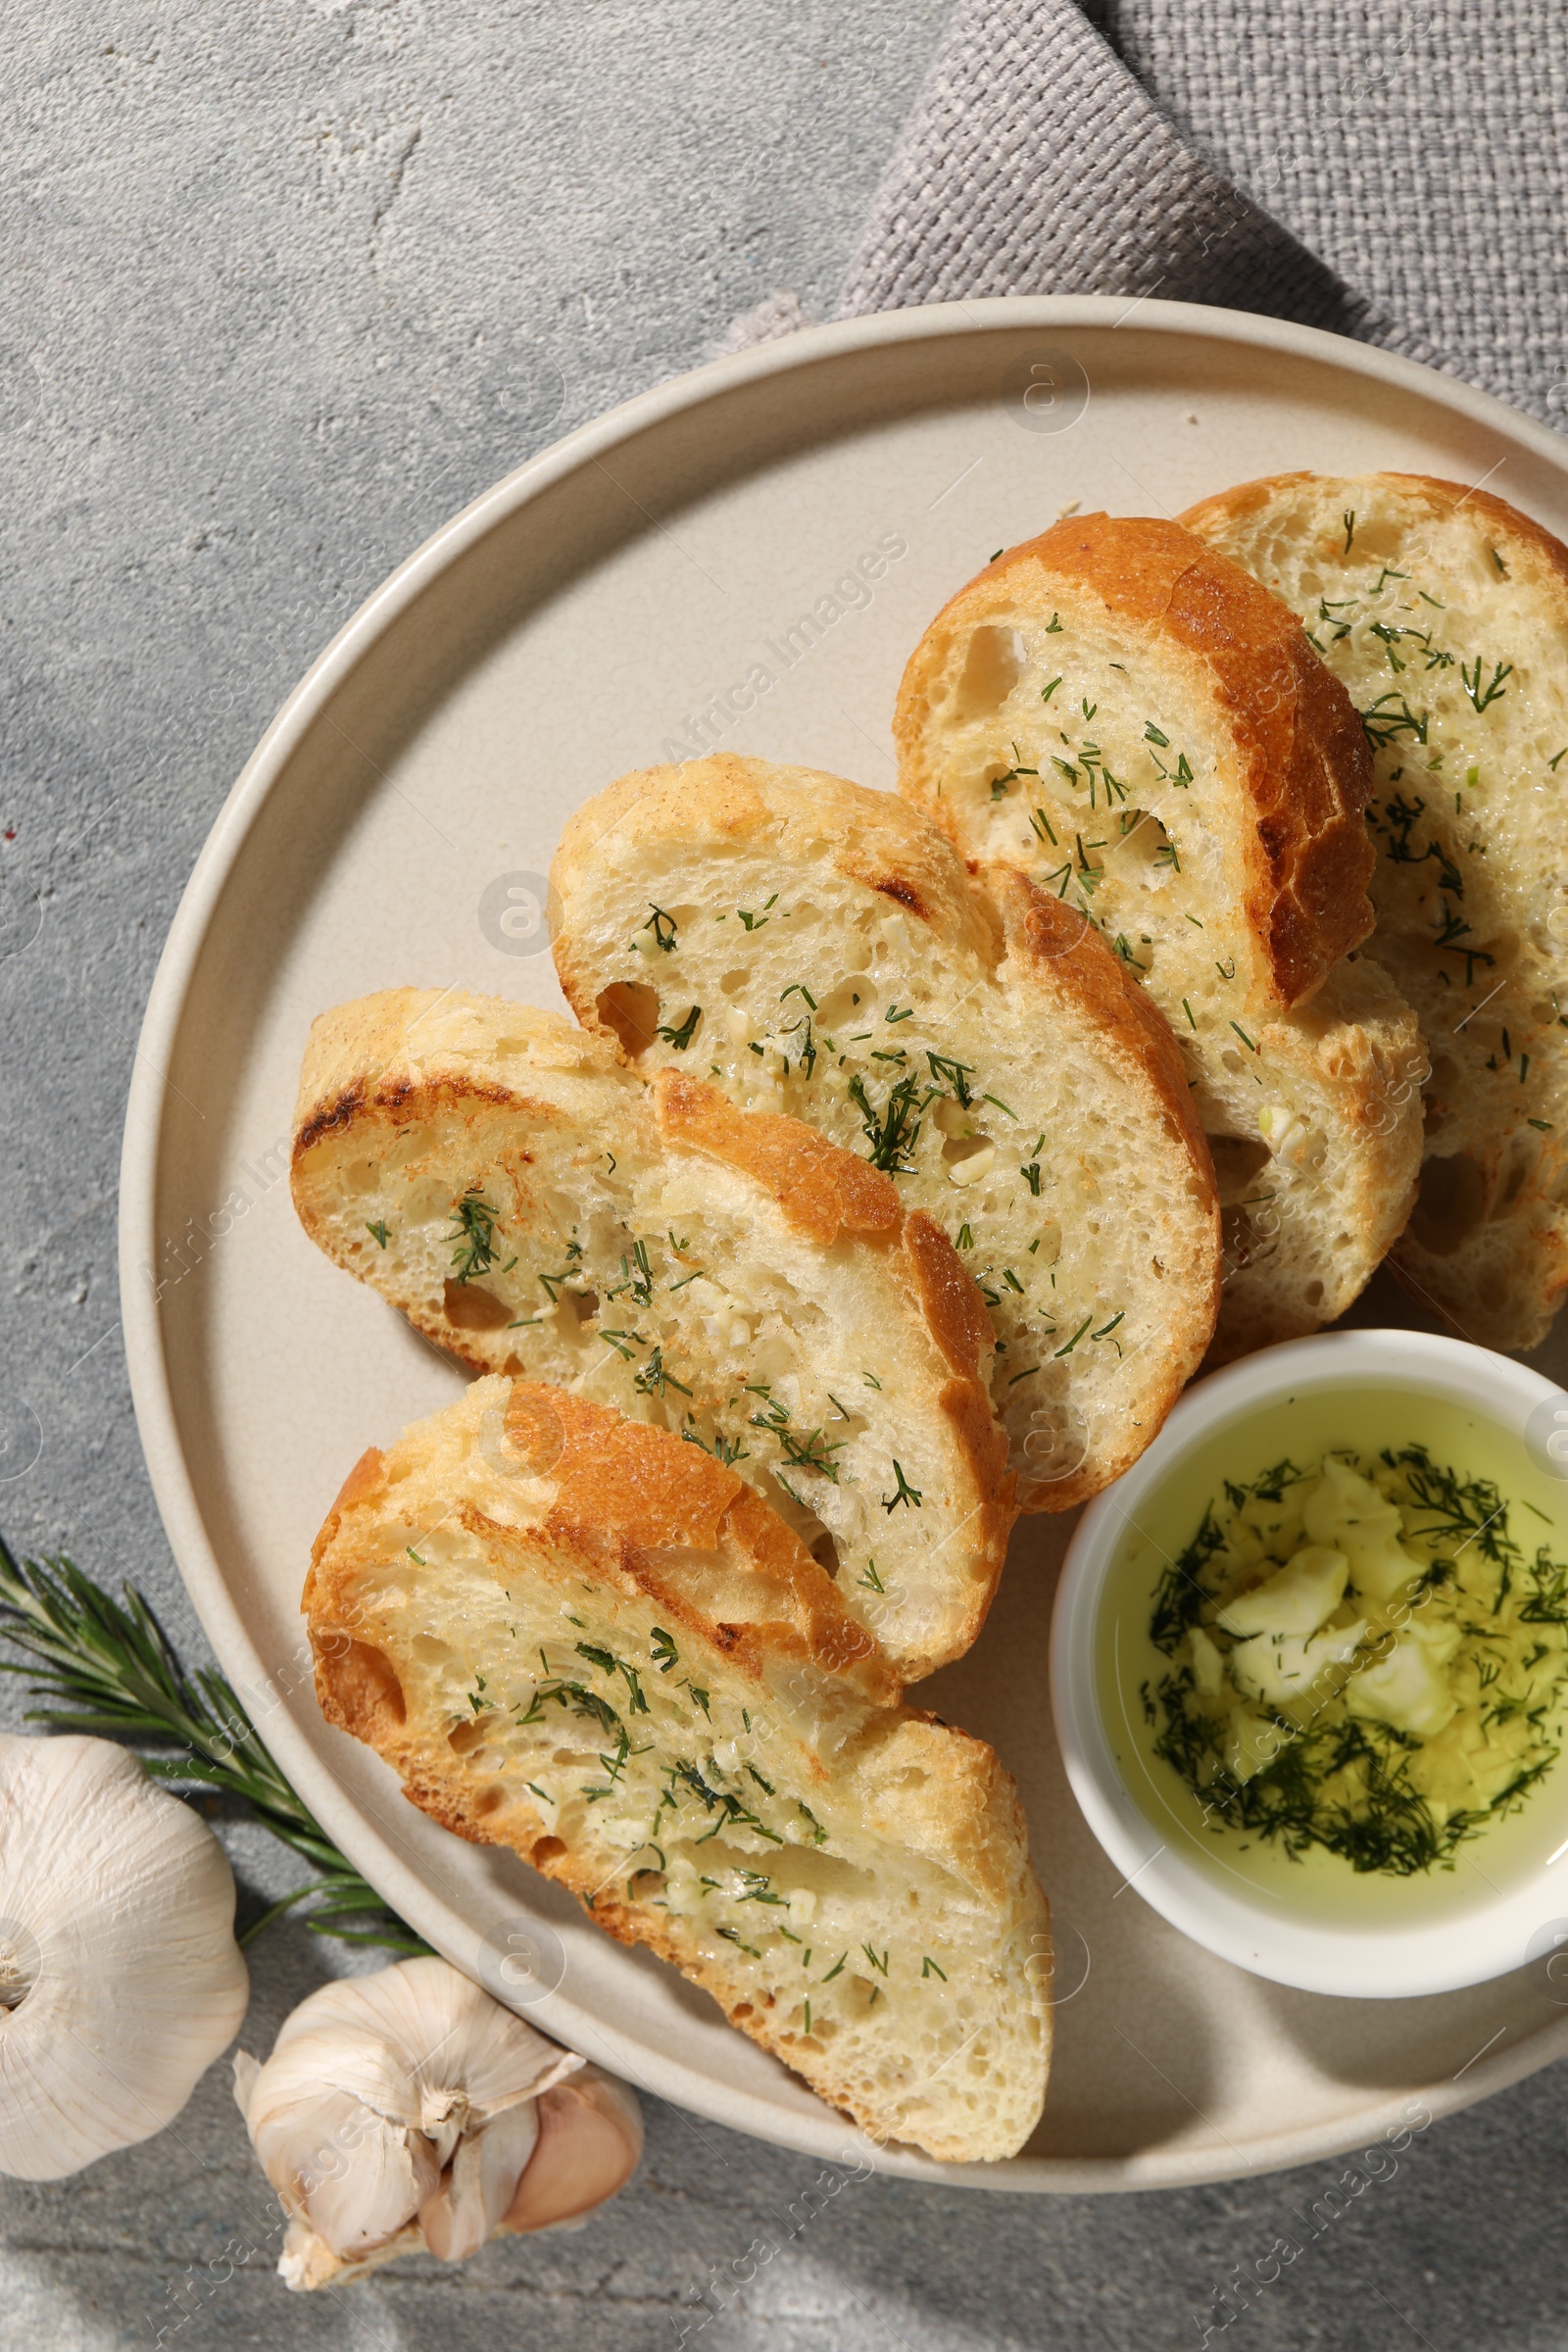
(404, 2112)
(119, 1971)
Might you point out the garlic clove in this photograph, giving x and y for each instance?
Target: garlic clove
(506, 2149)
(123, 1979)
(350, 2174)
(358, 2178)
(479, 2184)
(590, 2141)
(452, 2218)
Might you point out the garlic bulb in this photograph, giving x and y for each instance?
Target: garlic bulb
(119, 1977)
(409, 2111)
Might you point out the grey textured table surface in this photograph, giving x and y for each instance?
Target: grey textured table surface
(285, 282)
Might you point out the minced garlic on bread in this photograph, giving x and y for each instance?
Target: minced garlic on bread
(528, 1203)
(1444, 612)
(1129, 719)
(575, 1636)
(815, 948)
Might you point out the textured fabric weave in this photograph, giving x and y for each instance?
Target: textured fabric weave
(1396, 175)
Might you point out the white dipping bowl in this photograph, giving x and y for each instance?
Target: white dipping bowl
(1505, 1901)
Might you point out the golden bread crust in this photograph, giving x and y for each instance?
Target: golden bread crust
(823, 1190)
(953, 1305)
(727, 801)
(1304, 762)
(1438, 498)
(1067, 953)
(626, 1489)
(371, 1052)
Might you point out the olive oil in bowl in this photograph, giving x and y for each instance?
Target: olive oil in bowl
(1310, 1665)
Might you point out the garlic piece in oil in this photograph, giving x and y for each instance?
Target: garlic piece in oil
(119, 1977)
(407, 2112)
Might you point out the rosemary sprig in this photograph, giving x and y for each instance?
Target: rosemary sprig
(107, 1667)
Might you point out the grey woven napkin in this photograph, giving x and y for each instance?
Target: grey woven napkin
(1395, 175)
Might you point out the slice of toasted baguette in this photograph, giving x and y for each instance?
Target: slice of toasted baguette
(815, 948)
(1444, 612)
(573, 1636)
(502, 1178)
(1131, 721)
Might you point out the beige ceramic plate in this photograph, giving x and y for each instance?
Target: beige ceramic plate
(678, 576)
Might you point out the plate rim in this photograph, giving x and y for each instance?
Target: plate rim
(820, 2134)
